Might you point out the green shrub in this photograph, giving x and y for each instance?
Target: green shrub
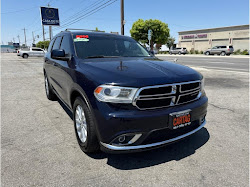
(201, 52)
(196, 52)
(245, 52)
(191, 51)
(237, 52)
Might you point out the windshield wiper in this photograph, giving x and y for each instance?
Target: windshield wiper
(102, 56)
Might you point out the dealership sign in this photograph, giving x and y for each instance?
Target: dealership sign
(50, 16)
(194, 36)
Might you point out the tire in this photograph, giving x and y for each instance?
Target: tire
(48, 90)
(25, 55)
(85, 127)
(170, 53)
(223, 53)
(179, 53)
(207, 53)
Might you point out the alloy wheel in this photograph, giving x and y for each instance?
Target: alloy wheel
(81, 124)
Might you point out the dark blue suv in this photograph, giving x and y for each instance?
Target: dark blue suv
(122, 98)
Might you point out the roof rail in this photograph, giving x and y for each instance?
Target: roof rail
(84, 30)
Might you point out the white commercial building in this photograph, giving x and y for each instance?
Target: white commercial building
(202, 39)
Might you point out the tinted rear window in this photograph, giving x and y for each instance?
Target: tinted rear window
(230, 46)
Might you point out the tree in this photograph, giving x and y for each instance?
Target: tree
(160, 31)
(43, 44)
(170, 42)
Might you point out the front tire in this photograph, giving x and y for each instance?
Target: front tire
(179, 53)
(207, 53)
(85, 127)
(222, 53)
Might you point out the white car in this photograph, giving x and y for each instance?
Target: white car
(33, 51)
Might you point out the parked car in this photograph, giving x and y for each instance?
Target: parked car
(122, 98)
(220, 50)
(180, 50)
(33, 52)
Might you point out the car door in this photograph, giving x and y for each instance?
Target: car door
(63, 69)
(35, 52)
(31, 52)
(218, 50)
(51, 64)
(213, 50)
(40, 52)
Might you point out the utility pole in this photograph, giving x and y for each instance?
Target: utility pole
(14, 40)
(33, 37)
(122, 17)
(19, 39)
(24, 36)
(43, 34)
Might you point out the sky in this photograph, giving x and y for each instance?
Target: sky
(180, 15)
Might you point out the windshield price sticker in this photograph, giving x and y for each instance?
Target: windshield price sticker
(81, 38)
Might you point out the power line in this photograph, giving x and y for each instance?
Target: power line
(89, 13)
(82, 10)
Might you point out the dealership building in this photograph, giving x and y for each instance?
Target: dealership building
(202, 39)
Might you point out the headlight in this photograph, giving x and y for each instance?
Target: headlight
(203, 85)
(115, 94)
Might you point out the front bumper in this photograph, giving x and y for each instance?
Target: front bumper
(113, 122)
(110, 148)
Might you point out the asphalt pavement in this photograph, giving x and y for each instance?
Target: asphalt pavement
(233, 63)
(39, 148)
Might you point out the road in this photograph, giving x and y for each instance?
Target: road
(39, 148)
(211, 62)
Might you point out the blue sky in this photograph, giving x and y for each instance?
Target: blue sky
(179, 15)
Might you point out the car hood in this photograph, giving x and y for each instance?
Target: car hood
(136, 72)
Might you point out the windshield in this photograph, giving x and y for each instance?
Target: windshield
(91, 46)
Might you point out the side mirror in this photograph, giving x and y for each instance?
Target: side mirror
(59, 54)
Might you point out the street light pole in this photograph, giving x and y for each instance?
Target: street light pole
(122, 17)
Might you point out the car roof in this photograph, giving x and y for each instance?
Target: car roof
(97, 33)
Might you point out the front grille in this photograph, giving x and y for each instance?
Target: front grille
(156, 91)
(153, 103)
(188, 97)
(189, 87)
(166, 134)
(166, 95)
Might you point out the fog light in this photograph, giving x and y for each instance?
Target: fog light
(126, 139)
(203, 119)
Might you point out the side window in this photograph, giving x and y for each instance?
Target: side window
(57, 43)
(51, 44)
(65, 44)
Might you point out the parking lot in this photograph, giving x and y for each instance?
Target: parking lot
(39, 147)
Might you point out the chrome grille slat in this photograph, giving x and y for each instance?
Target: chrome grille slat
(176, 94)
